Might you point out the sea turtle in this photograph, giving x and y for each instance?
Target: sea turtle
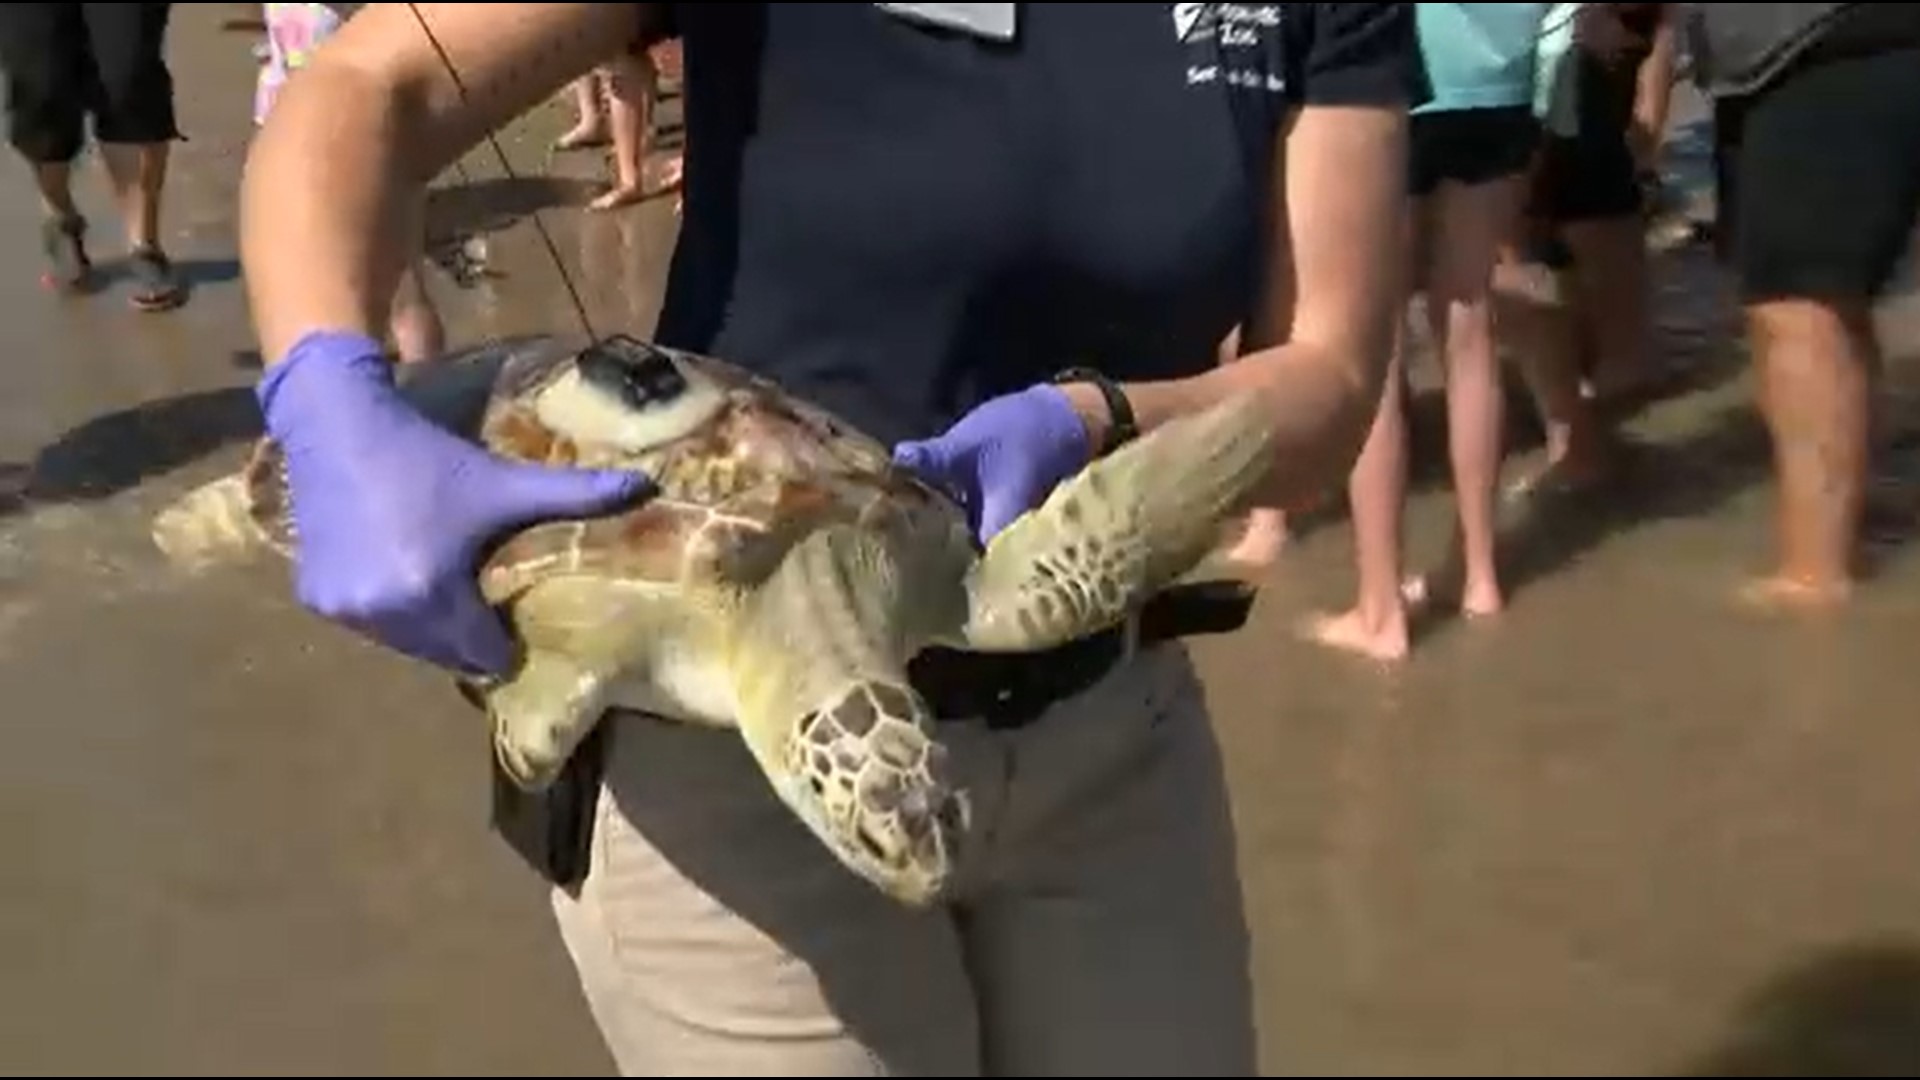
(782, 578)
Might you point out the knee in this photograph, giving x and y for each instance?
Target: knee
(136, 101)
(44, 124)
(629, 78)
(46, 102)
(1816, 329)
(1464, 315)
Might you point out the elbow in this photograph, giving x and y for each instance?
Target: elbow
(1360, 361)
(1359, 406)
(1359, 365)
(1366, 361)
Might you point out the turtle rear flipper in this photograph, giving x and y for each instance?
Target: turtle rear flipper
(1125, 527)
(826, 709)
(589, 644)
(543, 713)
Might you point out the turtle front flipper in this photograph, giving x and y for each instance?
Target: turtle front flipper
(207, 525)
(1125, 527)
(819, 672)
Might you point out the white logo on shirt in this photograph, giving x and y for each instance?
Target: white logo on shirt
(1238, 44)
(1186, 17)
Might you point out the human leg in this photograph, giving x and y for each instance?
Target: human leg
(1585, 195)
(418, 333)
(590, 127)
(714, 936)
(1537, 319)
(1818, 362)
(1376, 625)
(42, 49)
(629, 81)
(1108, 937)
(1612, 290)
(1470, 223)
(1597, 199)
(1263, 531)
(1825, 171)
(632, 90)
(1466, 183)
(1476, 210)
(134, 123)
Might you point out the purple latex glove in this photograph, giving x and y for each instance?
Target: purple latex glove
(1004, 457)
(392, 512)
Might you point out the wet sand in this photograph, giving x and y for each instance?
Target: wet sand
(1628, 829)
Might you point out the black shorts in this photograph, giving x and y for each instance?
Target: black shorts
(1470, 146)
(1819, 177)
(65, 62)
(1592, 175)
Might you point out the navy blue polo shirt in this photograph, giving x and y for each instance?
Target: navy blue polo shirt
(901, 221)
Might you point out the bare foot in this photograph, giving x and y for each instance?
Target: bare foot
(1778, 594)
(1477, 601)
(1571, 474)
(582, 136)
(1381, 640)
(667, 178)
(1481, 601)
(671, 173)
(1261, 539)
(618, 196)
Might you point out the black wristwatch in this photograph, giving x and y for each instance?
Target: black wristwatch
(1122, 428)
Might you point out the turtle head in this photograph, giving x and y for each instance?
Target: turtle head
(629, 396)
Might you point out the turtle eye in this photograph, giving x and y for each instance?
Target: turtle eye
(639, 374)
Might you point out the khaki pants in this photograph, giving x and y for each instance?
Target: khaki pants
(1099, 931)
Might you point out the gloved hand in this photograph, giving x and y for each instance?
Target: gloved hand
(392, 512)
(1004, 457)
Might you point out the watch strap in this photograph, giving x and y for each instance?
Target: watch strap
(1122, 426)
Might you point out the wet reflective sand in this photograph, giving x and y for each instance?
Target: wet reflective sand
(1629, 828)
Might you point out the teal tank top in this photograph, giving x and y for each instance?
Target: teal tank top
(1483, 56)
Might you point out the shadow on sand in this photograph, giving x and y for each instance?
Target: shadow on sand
(121, 450)
(1854, 1011)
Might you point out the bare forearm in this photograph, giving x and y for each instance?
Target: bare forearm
(1322, 407)
(324, 201)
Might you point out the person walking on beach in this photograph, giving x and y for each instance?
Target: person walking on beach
(1472, 144)
(1817, 146)
(616, 103)
(66, 64)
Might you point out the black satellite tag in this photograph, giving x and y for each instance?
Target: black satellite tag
(639, 373)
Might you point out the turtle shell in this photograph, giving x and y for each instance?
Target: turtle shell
(741, 467)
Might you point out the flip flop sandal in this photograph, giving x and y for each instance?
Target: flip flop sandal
(156, 286)
(64, 242)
